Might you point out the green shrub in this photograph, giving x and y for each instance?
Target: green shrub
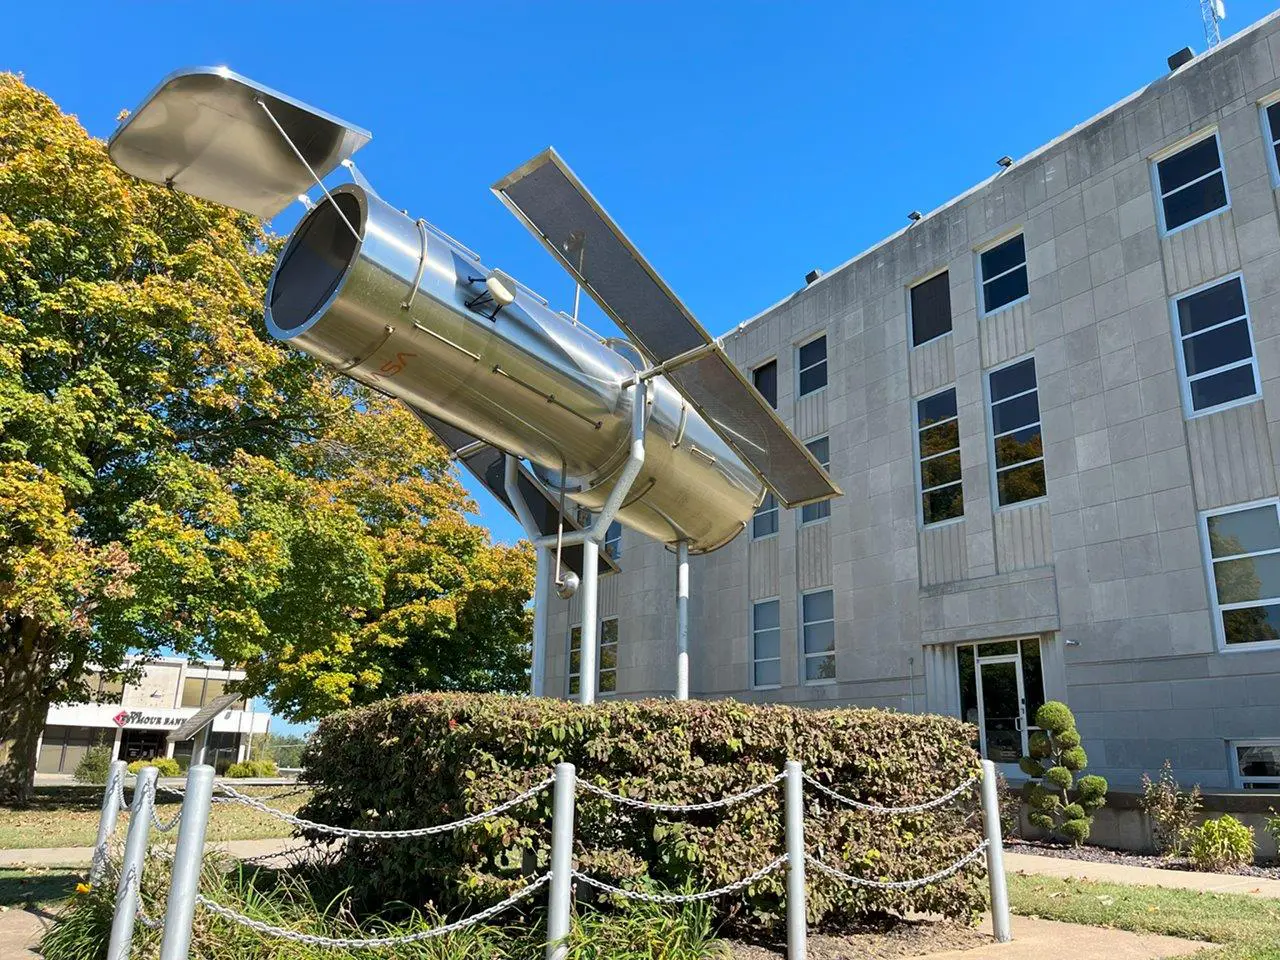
(1010, 802)
(1221, 844)
(1171, 810)
(253, 768)
(433, 758)
(1273, 825)
(167, 766)
(95, 765)
(1055, 759)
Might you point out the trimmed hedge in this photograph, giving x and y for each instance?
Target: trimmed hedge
(252, 768)
(167, 766)
(432, 758)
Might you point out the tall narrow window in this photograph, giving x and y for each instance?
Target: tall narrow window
(1004, 274)
(1271, 130)
(613, 540)
(938, 432)
(818, 635)
(1017, 449)
(766, 650)
(765, 521)
(1191, 184)
(765, 378)
(812, 365)
(1244, 553)
(813, 512)
(931, 309)
(608, 675)
(1216, 356)
(575, 659)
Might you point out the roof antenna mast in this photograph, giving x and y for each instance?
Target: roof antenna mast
(1212, 12)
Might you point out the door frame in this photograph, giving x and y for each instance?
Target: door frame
(1021, 720)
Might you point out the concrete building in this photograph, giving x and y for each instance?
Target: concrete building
(1054, 406)
(135, 718)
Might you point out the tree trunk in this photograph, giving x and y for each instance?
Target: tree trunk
(25, 675)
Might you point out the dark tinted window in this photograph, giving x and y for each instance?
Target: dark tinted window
(1273, 130)
(821, 450)
(765, 378)
(1017, 447)
(765, 521)
(931, 309)
(941, 492)
(1217, 347)
(812, 364)
(1191, 183)
(1004, 274)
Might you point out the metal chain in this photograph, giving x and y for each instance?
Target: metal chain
(682, 897)
(132, 880)
(873, 808)
(121, 808)
(681, 807)
(257, 804)
(156, 822)
(898, 884)
(351, 943)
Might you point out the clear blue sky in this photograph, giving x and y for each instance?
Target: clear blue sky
(739, 144)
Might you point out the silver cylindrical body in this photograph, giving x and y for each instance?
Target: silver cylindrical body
(128, 890)
(995, 854)
(560, 894)
(188, 858)
(793, 811)
(107, 818)
(406, 311)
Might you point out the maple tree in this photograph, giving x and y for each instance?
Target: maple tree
(173, 479)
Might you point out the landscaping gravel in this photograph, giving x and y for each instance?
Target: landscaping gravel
(907, 938)
(1092, 854)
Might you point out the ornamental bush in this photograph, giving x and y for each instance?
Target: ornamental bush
(1055, 759)
(95, 765)
(1221, 844)
(1171, 810)
(252, 768)
(433, 758)
(167, 766)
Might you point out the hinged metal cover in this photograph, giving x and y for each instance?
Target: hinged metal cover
(206, 716)
(204, 131)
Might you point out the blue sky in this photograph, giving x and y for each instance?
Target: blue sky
(739, 144)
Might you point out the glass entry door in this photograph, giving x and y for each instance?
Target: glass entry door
(1000, 688)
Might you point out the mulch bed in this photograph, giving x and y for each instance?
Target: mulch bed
(1091, 854)
(906, 938)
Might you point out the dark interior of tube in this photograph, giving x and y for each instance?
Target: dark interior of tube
(314, 262)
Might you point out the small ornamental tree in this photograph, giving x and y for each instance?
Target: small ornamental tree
(1055, 761)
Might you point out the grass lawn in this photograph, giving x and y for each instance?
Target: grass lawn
(67, 816)
(19, 887)
(1243, 927)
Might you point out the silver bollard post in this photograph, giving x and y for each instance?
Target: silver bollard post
(682, 620)
(188, 858)
(135, 855)
(995, 854)
(561, 892)
(797, 922)
(107, 819)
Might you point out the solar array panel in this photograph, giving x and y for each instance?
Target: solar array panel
(553, 203)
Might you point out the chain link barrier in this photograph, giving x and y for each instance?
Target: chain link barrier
(899, 884)
(302, 823)
(682, 897)
(161, 825)
(352, 943)
(873, 808)
(681, 807)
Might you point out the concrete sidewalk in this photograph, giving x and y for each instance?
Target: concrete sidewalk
(1141, 876)
(1035, 939)
(81, 856)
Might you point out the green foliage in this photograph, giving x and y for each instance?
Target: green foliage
(252, 768)
(1171, 810)
(95, 765)
(1010, 802)
(1055, 717)
(173, 478)
(1076, 830)
(1272, 825)
(283, 748)
(167, 766)
(1055, 757)
(297, 902)
(432, 758)
(1221, 844)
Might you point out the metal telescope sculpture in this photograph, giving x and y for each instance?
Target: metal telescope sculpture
(659, 431)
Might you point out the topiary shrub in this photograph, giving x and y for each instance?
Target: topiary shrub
(432, 758)
(95, 765)
(1221, 844)
(1171, 810)
(1054, 760)
(252, 768)
(167, 766)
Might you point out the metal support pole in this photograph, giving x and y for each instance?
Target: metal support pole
(682, 620)
(107, 819)
(541, 612)
(561, 892)
(797, 924)
(587, 598)
(188, 858)
(995, 854)
(135, 855)
(198, 748)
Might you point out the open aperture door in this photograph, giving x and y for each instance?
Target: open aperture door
(553, 203)
(204, 131)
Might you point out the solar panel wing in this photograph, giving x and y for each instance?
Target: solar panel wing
(488, 465)
(557, 208)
